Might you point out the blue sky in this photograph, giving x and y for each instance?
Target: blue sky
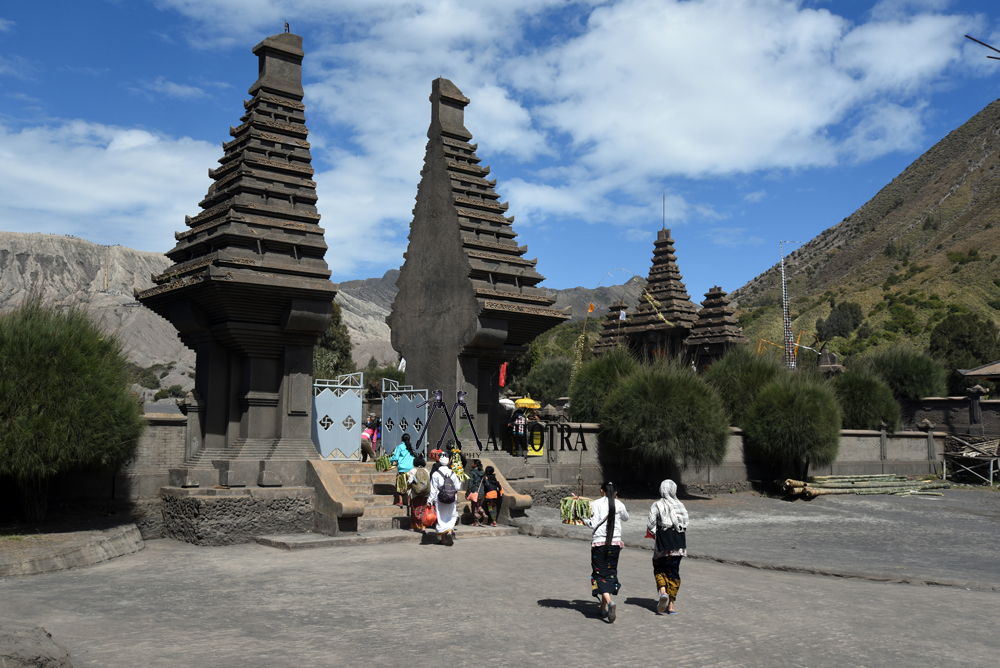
(760, 120)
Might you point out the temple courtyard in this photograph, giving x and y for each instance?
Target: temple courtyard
(524, 600)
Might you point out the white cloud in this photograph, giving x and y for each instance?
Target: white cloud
(6, 25)
(104, 183)
(733, 237)
(17, 67)
(755, 196)
(175, 90)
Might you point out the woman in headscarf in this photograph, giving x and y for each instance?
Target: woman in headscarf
(668, 522)
(606, 516)
(402, 457)
(444, 493)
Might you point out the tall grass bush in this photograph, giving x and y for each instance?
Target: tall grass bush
(739, 376)
(664, 415)
(910, 374)
(795, 420)
(595, 380)
(866, 400)
(65, 401)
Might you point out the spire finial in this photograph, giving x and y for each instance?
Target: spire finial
(286, 27)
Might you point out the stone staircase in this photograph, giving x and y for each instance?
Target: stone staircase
(375, 490)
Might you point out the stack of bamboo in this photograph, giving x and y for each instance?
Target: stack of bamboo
(862, 484)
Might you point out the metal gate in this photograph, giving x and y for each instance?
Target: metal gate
(337, 418)
(400, 414)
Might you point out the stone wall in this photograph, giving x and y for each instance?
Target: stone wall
(950, 414)
(161, 448)
(229, 516)
(573, 447)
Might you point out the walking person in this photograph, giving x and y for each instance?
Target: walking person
(444, 493)
(474, 491)
(369, 438)
(402, 457)
(606, 516)
(668, 522)
(493, 495)
(419, 480)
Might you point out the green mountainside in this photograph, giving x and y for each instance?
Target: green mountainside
(925, 246)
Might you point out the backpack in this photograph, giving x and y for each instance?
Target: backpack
(421, 482)
(447, 493)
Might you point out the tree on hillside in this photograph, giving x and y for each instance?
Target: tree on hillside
(964, 341)
(65, 401)
(548, 380)
(332, 354)
(844, 318)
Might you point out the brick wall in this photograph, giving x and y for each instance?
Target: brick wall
(161, 446)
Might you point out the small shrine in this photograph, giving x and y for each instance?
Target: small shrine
(715, 331)
(611, 336)
(250, 289)
(468, 297)
(665, 313)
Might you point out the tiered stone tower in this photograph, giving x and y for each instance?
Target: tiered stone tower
(468, 298)
(716, 331)
(250, 291)
(659, 329)
(611, 336)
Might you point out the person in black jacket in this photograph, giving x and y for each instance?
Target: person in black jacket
(493, 492)
(474, 491)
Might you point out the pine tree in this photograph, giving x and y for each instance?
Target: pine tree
(332, 354)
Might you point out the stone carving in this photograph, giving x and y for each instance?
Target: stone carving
(249, 291)
(460, 313)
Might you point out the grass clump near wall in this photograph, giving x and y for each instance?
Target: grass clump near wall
(595, 380)
(865, 400)
(663, 415)
(65, 401)
(795, 420)
(739, 376)
(909, 373)
(548, 380)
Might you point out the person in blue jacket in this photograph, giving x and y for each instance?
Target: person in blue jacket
(402, 457)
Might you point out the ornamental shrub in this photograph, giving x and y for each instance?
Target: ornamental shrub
(548, 380)
(65, 401)
(909, 373)
(332, 353)
(739, 376)
(663, 415)
(865, 400)
(795, 420)
(595, 380)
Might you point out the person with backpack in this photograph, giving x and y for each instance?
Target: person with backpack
(518, 426)
(493, 495)
(606, 516)
(668, 523)
(474, 491)
(443, 496)
(419, 480)
(402, 457)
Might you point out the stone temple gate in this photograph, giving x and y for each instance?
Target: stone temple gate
(468, 298)
(250, 290)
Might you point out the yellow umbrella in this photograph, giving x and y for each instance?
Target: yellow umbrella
(527, 402)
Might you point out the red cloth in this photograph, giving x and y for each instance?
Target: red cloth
(503, 374)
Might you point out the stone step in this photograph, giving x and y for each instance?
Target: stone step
(355, 467)
(380, 523)
(386, 511)
(368, 478)
(306, 541)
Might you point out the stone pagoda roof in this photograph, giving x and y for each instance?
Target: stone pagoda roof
(673, 308)
(258, 228)
(611, 335)
(716, 323)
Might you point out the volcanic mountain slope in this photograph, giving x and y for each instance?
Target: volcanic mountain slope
(925, 245)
